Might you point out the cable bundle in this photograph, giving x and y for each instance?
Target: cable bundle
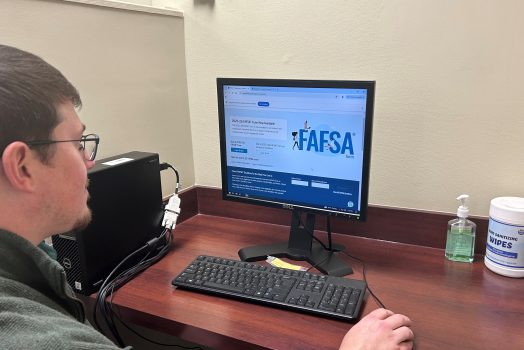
(151, 252)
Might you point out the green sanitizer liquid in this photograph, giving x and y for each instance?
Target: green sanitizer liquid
(460, 244)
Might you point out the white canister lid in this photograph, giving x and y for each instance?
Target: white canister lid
(508, 210)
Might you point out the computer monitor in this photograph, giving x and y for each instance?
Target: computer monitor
(302, 145)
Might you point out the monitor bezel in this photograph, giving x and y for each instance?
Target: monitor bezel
(344, 84)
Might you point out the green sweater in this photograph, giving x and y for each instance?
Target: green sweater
(38, 309)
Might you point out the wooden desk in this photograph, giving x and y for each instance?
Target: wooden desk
(452, 305)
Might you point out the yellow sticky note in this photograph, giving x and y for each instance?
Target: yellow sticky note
(282, 264)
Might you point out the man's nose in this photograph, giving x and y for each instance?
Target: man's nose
(90, 164)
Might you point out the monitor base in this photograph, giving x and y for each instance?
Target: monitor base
(325, 261)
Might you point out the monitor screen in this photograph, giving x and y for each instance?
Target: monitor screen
(297, 143)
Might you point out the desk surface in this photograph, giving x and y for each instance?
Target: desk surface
(452, 305)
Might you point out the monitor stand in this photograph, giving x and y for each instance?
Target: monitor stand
(301, 246)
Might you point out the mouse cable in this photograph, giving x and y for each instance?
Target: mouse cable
(332, 250)
(377, 300)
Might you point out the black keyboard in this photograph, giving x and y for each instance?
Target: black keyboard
(329, 296)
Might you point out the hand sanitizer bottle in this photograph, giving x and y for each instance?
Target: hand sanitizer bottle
(460, 243)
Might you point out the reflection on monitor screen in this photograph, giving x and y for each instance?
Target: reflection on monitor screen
(297, 144)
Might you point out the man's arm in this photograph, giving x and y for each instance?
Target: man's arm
(27, 324)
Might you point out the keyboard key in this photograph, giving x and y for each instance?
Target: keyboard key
(223, 287)
(327, 306)
(279, 297)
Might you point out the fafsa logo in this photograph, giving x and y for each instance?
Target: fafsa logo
(312, 140)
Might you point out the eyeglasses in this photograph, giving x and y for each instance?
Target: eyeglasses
(88, 144)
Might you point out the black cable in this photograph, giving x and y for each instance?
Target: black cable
(329, 233)
(332, 250)
(312, 234)
(132, 272)
(377, 300)
(151, 340)
(315, 238)
(101, 294)
(111, 284)
(164, 166)
(315, 265)
(123, 278)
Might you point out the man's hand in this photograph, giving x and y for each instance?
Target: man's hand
(380, 330)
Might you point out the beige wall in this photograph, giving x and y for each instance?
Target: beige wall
(128, 66)
(449, 116)
(449, 100)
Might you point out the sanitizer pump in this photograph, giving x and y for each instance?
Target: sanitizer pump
(460, 243)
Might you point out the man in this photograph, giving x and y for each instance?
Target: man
(43, 191)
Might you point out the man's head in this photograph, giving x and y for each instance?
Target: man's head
(40, 181)
(30, 91)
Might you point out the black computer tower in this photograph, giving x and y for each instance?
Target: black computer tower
(126, 202)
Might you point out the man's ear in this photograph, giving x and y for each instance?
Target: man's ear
(18, 164)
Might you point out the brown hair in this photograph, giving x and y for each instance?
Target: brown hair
(30, 91)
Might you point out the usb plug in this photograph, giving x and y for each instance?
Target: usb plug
(171, 212)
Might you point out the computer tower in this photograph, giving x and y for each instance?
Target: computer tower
(126, 203)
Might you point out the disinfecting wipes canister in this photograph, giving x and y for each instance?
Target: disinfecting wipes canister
(505, 243)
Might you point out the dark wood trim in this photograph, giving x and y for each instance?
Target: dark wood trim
(188, 204)
(409, 226)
